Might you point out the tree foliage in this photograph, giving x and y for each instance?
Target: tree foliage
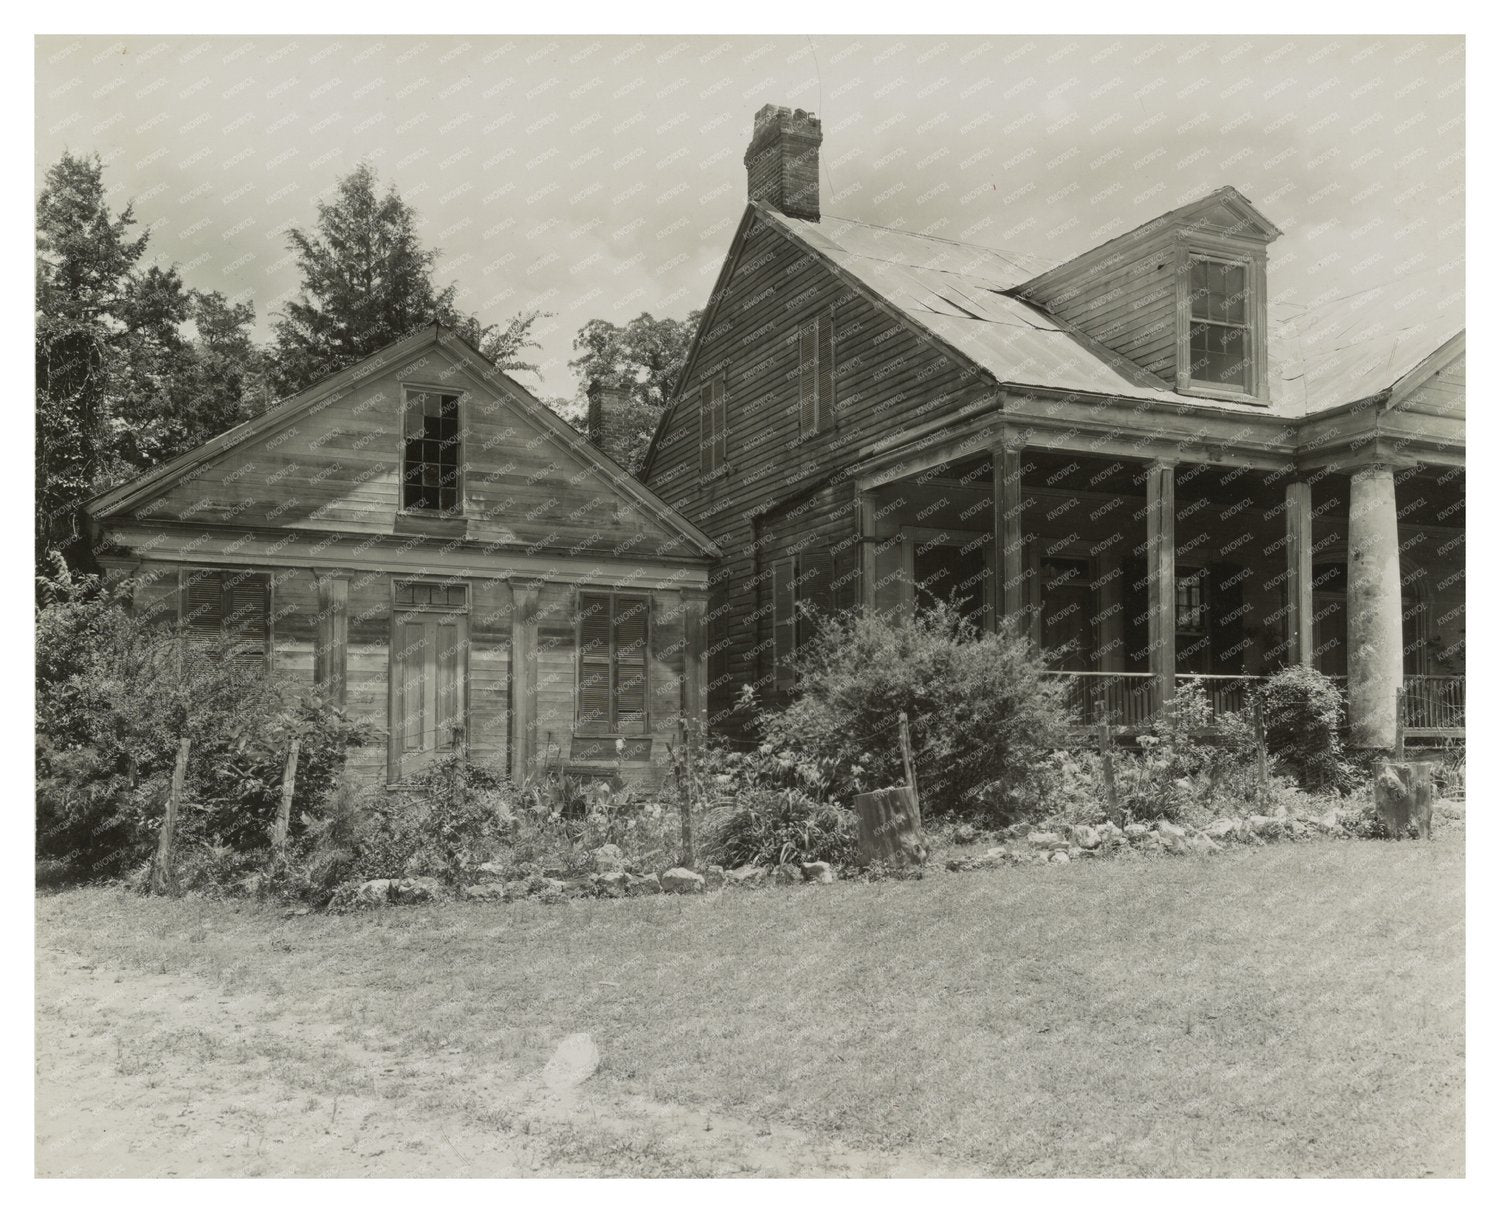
(367, 282)
(645, 356)
(132, 366)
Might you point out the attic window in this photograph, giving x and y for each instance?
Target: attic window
(1219, 338)
(431, 464)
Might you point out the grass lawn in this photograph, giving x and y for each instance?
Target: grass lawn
(1293, 1010)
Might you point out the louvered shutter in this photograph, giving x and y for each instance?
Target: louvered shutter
(247, 615)
(204, 613)
(721, 428)
(846, 579)
(594, 700)
(631, 630)
(825, 367)
(706, 437)
(815, 589)
(807, 379)
(784, 618)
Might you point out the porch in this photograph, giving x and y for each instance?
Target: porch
(1138, 575)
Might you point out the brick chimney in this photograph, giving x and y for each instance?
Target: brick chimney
(782, 160)
(609, 420)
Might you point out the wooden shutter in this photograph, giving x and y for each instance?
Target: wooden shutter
(807, 379)
(825, 367)
(706, 428)
(231, 607)
(846, 579)
(784, 618)
(815, 588)
(720, 428)
(204, 609)
(595, 706)
(247, 615)
(631, 630)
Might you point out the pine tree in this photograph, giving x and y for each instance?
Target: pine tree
(84, 258)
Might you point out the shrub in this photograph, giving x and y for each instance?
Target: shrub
(114, 694)
(787, 826)
(982, 708)
(1302, 713)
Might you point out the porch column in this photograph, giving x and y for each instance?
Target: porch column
(331, 651)
(525, 597)
(1010, 548)
(1374, 607)
(1299, 608)
(1161, 578)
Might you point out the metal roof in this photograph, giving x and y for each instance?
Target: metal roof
(1321, 356)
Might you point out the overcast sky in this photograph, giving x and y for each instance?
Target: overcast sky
(600, 177)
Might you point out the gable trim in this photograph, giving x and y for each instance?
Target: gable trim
(705, 325)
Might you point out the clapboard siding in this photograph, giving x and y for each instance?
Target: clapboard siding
(337, 468)
(885, 376)
(1130, 309)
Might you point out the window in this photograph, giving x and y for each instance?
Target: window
(430, 468)
(815, 374)
(1192, 604)
(712, 442)
(1219, 353)
(227, 606)
(613, 631)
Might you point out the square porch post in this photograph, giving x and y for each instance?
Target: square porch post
(525, 598)
(1010, 547)
(1299, 603)
(1161, 578)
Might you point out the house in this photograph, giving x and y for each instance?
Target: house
(1158, 468)
(428, 545)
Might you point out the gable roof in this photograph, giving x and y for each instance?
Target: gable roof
(1322, 356)
(124, 498)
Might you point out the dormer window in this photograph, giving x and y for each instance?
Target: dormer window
(1219, 336)
(1221, 341)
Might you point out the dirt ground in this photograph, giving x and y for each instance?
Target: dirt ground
(105, 1111)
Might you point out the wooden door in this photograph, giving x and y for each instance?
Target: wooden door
(429, 674)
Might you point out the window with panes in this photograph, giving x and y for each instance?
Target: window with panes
(431, 464)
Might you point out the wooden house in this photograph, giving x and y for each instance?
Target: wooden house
(430, 546)
(1140, 455)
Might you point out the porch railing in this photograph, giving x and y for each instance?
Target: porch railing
(1128, 701)
(1435, 704)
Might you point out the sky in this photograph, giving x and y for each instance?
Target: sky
(599, 177)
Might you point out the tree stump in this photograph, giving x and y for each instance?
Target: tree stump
(890, 827)
(1403, 797)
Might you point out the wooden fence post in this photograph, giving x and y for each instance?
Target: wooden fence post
(288, 786)
(1262, 766)
(162, 880)
(1401, 723)
(1106, 751)
(685, 785)
(911, 767)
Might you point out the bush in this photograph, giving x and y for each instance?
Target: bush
(113, 696)
(768, 827)
(982, 708)
(1302, 710)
